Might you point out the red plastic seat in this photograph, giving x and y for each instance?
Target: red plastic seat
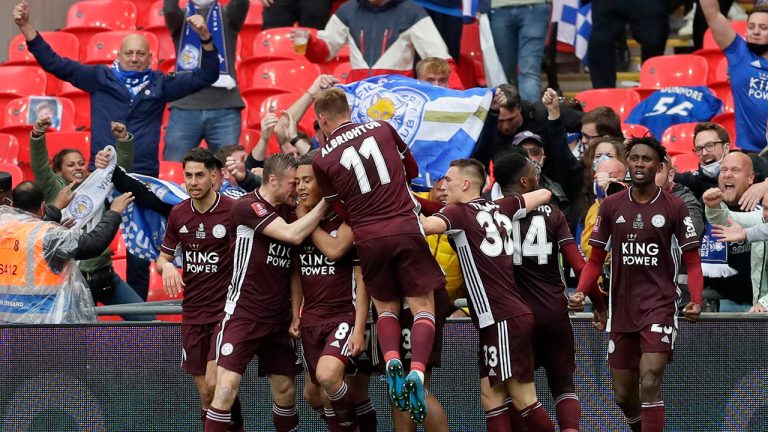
(17, 176)
(119, 264)
(470, 66)
(142, 12)
(249, 138)
(17, 81)
(155, 24)
(278, 103)
(9, 149)
(253, 24)
(673, 70)
(728, 121)
(118, 247)
(685, 162)
(58, 141)
(631, 130)
(713, 57)
(722, 89)
(678, 139)
(172, 171)
(709, 42)
(342, 72)
(104, 47)
(82, 101)
(721, 71)
(620, 100)
(64, 44)
(268, 45)
(86, 18)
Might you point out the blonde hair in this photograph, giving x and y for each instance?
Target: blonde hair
(332, 103)
(435, 65)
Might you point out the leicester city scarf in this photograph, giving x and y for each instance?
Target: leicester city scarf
(87, 206)
(190, 55)
(134, 81)
(714, 256)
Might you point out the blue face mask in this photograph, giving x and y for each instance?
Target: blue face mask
(596, 162)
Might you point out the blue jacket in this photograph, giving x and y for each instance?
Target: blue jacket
(110, 100)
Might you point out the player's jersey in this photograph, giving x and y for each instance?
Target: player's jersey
(673, 105)
(361, 165)
(645, 241)
(261, 265)
(328, 285)
(537, 239)
(748, 74)
(206, 256)
(482, 233)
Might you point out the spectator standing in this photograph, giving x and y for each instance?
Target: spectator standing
(449, 17)
(213, 113)
(284, 13)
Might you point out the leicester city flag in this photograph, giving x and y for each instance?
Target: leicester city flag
(438, 124)
(144, 229)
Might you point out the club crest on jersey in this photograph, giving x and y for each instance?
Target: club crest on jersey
(401, 107)
(658, 221)
(260, 209)
(200, 233)
(638, 223)
(219, 231)
(183, 230)
(620, 219)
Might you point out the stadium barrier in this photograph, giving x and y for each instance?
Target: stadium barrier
(126, 377)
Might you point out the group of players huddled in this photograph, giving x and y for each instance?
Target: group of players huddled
(324, 236)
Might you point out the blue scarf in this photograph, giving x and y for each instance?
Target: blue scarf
(714, 256)
(134, 81)
(190, 55)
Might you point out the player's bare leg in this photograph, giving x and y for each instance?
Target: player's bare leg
(330, 375)
(312, 394)
(388, 333)
(626, 392)
(208, 384)
(364, 410)
(422, 338)
(436, 421)
(493, 401)
(567, 406)
(285, 417)
(652, 367)
(219, 414)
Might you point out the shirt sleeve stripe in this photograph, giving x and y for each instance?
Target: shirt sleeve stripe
(443, 217)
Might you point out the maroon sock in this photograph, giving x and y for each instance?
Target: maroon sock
(536, 418)
(635, 424)
(422, 337)
(285, 418)
(320, 411)
(497, 420)
(344, 407)
(203, 414)
(515, 419)
(653, 417)
(366, 416)
(388, 332)
(568, 411)
(217, 420)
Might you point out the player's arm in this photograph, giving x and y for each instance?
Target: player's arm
(721, 28)
(692, 259)
(428, 207)
(588, 282)
(434, 225)
(297, 300)
(295, 233)
(536, 198)
(334, 247)
(173, 284)
(362, 302)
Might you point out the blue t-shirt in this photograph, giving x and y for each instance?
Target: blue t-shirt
(749, 85)
(674, 105)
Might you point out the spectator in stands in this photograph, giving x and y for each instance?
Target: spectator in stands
(228, 184)
(449, 17)
(601, 122)
(603, 148)
(746, 70)
(284, 13)
(54, 249)
(519, 30)
(383, 36)
(608, 179)
(213, 113)
(533, 146)
(648, 21)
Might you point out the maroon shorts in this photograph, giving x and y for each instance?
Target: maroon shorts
(399, 266)
(625, 349)
(553, 348)
(505, 352)
(197, 347)
(238, 340)
(326, 339)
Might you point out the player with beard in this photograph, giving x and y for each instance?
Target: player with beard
(257, 312)
(644, 227)
(482, 234)
(332, 317)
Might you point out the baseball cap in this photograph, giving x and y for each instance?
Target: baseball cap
(526, 136)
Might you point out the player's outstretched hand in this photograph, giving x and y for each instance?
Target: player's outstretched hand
(599, 320)
(692, 312)
(120, 203)
(731, 233)
(357, 342)
(294, 329)
(172, 281)
(322, 82)
(576, 301)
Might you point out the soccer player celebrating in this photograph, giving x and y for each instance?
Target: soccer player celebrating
(362, 166)
(334, 312)
(199, 227)
(644, 227)
(482, 232)
(257, 309)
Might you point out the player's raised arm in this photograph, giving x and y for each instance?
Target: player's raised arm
(536, 198)
(434, 225)
(334, 247)
(721, 28)
(295, 233)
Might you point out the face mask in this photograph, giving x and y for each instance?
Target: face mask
(203, 3)
(712, 170)
(758, 49)
(597, 161)
(599, 192)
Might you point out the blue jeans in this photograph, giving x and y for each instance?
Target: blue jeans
(732, 306)
(519, 33)
(122, 293)
(186, 128)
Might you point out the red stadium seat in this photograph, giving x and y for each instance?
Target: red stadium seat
(119, 264)
(143, 8)
(672, 70)
(278, 77)
(713, 57)
(17, 81)
(620, 100)
(678, 139)
(86, 18)
(722, 89)
(631, 130)
(251, 27)
(64, 44)
(172, 171)
(728, 121)
(155, 24)
(17, 176)
(276, 104)
(342, 57)
(709, 42)
(58, 141)
(342, 72)
(721, 71)
(249, 138)
(9, 149)
(118, 246)
(82, 101)
(104, 47)
(268, 45)
(470, 66)
(685, 162)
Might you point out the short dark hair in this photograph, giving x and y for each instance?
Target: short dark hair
(513, 96)
(607, 122)
(307, 158)
(203, 156)
(472, 168)
(28, 196)
(58, 158)
(722, 134)
(508, 169)
(650, 142)
(223, 153)
(277, 164)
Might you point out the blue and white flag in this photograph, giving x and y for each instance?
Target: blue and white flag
(574, 25)
(583, 30)
(438, 124)
(714, 256)
(144, 229)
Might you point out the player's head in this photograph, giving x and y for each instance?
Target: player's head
(438, 192)
(515, 172)
(202, 172)
(331, 109)
(134, 53)
(29, 196)
(307, 189)
(736, 176)
(600, 122)
(279, 178)
(237, 152)
(70, 164)
(644, 156)
(464, 180)
(665, 175)
(757, 29)
(510, 115)
(434, 70)
(710, 144)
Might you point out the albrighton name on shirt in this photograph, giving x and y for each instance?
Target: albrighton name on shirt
(348, 135)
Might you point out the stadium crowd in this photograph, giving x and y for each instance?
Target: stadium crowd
(295, 219)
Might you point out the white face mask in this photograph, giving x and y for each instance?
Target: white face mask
(712, 170)
(203, 3)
